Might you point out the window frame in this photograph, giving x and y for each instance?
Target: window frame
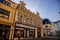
(4, 13)
(30, 20)
(25, 18)
(5, 2)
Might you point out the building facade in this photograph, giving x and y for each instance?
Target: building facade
(17, 21)
(48, 27)
(27, 23)
(57, 25)
(7, 12)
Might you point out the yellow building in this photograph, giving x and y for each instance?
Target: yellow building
(27, 23)
(7, 12)
(16, 20)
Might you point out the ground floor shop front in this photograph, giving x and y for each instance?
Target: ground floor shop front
(10, 32)
(6, 33)
(6, 30)
(24, 31)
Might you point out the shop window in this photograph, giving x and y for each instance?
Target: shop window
(4, 31)
(44, 34)
(4, 13)
(39, 34)
(21, 33)
(31, 34)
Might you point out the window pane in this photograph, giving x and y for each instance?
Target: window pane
(5, 13)
(19, 16)
(1, 11)
(9, 4)
(5, 2)
(25, 18)
(30, 20)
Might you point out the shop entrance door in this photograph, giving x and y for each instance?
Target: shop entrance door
(31, 33)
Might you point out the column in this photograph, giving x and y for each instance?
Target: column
(11, 33)
(27, 33)
(24, 33)
(36, 33)
(41, 32)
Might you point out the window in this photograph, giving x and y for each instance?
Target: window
(5, 14)
(4, 31)
(46, 26)
(19, 17)
(31, 33)
(30, 20)
(16, 34)
(25, 18)
(5, 2)
(35, 22)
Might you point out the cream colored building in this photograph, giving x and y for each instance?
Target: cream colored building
(48, 27)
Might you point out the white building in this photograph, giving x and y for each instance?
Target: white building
(48, 27)
(57, 25)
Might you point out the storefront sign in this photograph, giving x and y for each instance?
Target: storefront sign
(24, 26)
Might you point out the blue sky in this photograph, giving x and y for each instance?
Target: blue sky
(47, 8)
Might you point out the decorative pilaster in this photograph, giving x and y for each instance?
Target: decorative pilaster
(36, 33)
(11, 33)
(42, 30)
(28, 33)
(24, 32)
